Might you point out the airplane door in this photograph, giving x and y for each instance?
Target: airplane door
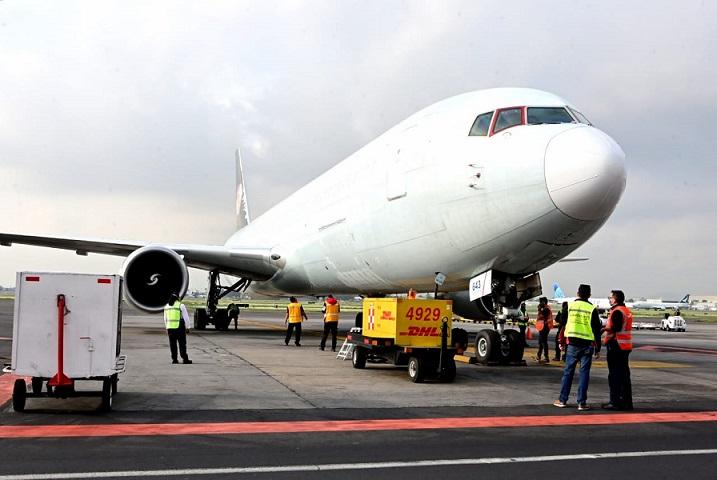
(403, 156)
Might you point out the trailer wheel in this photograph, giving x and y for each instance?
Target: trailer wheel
(106, 405)
(358, 357)
(36, 385)
(200, 318)
(448, 373)
(416, 369)
(19, 395)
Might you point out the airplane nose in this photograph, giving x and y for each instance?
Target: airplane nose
(585, 173)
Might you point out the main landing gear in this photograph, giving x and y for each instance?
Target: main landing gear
(220, 317)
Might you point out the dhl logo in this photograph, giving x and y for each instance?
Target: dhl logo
(387, 315)
(421, 332)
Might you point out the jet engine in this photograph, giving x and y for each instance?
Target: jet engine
(151, 274)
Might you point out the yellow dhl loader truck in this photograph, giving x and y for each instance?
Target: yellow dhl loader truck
(409, 332)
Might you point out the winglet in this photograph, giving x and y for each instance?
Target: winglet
(242, 205)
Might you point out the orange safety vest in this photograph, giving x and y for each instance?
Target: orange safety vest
(541, 320)
(624, 336)
(294, 312)
(332, 312)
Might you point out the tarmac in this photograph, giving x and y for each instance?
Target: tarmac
(251, 406)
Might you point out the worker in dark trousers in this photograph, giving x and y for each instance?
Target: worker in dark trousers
(522, 323)
(543, 324)
(233, 314)
(294, 316)
(560, 320)
(618, 341)
(582, 332)
(331, 321)
(177, 322)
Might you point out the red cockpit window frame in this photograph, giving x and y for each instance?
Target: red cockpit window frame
(497, 113)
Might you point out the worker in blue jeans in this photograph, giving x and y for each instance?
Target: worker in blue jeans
(583, 337)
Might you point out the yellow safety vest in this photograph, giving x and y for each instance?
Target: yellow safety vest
(294, 312)
(172, 315)
(580, 314)
(332, 312)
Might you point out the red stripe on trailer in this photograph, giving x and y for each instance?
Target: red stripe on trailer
(104, 280)
(32, 279)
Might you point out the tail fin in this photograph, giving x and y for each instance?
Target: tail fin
(557, 291)
(242, 205)
(685, 299)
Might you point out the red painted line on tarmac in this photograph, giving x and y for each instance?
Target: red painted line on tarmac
(244, 428)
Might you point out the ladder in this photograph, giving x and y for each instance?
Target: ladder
(346, 350)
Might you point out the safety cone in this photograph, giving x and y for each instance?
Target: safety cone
(529, 333)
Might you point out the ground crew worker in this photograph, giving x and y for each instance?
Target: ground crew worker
(543, 323)
(560, 319)
(177, 323)
(294, 316)
(582, 332)
(411, 294)
(331, 321)
(233, 314)
(618, 341)
(522, 323)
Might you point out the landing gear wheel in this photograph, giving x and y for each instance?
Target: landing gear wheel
(36, 385)
(416, 369)
(459, 338)
(106, 405)
(448, 373)
(19, 395)
(358, 357)
(487, 345)
(221, 320)
(200, 318)
(516, 345)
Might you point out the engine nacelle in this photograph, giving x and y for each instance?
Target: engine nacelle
(151, 274)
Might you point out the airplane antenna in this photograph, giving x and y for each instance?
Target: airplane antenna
(242, 205)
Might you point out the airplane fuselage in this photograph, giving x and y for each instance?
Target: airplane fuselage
(427, 197)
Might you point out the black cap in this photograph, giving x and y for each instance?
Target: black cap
(584, 290)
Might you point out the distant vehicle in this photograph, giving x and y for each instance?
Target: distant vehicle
(659, 304)
(673, 323)
(644, 326)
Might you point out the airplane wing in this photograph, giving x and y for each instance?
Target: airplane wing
(254, 263)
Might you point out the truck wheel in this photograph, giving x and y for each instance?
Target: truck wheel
(19, 395)
(106, 405)
(448, 374)
(459, 339)
(200, 318)
(36, 385)
(487, 345)
(358, 357)
(416, 369)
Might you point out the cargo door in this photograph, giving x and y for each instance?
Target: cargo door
(403, 156)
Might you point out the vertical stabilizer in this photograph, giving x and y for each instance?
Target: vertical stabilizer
(557, 291)
(242, 205)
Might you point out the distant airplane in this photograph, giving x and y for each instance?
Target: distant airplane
(602, 304)
(658, 304)
(504, 181)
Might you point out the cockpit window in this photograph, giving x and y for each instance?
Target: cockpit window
(538, 115)
(481, 125)
(580, 117)
(507, 118)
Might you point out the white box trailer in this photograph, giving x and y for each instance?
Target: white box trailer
(67, 327)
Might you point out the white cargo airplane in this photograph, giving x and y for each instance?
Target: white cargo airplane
(507, 180)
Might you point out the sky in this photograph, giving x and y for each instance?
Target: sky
(119, 120)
